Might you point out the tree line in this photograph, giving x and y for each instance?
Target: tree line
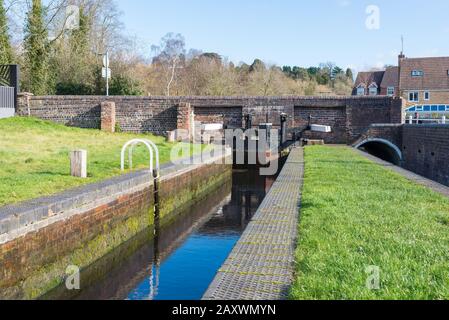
(57, 57)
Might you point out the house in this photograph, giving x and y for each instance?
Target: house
(420, 81)
(390, 82)
(424, 81)
(368, 83)
(376, 83)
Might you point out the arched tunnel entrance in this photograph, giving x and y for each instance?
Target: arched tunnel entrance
(382, 149)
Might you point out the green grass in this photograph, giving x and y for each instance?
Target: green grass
(34, 156)
(357, 214)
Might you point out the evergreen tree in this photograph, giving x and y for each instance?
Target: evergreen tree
(349, 74)
(79, 39)
(6, 56)
(36, 51)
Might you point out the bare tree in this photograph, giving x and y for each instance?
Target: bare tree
(169, 55)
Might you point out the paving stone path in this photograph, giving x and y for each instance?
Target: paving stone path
(261, 265)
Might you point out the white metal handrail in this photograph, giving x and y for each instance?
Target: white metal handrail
(151, 147)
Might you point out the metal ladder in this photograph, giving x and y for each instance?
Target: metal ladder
(151, 146)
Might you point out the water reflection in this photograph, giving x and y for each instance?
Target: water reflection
(181, 260)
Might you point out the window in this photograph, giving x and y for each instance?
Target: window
(413, 96)
(390, 91)
(361, 90)
(372, 90)
(427, 95)
(417, 73)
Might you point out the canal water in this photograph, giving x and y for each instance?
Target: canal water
(180, 260)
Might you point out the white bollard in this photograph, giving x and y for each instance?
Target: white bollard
(78, 163)
(410, 119)
(443, 120)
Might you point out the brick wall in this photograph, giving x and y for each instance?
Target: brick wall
(231, 117)
(121, 217)
(436, 97)
(390, 132)
(425, 150)
(348, 116)
(133, 114)
(333, 116)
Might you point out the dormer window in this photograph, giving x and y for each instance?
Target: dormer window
(417, 73)
(373, 89)
(361, 90)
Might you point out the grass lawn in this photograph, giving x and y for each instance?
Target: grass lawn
(34, 156)
(356, 214)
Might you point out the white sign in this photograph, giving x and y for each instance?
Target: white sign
(212, 127)
(106, 61)
(103, 72)
(320, 128)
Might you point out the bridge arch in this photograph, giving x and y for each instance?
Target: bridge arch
(381, 148)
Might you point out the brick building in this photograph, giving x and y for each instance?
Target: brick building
(422, 82)
(418, 80)
(374, 83)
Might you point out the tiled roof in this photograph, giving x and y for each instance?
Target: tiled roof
(435, 73)
(391, 78)
(368, 78)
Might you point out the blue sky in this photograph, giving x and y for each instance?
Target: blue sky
(288, 32)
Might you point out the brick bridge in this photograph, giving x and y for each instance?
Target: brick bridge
(370, 123)
(349, 117)
(383, 140)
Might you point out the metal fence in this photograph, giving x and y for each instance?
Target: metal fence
(7, 102)
(418, 120)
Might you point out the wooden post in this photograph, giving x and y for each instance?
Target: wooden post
(78, 163)
(171, 136)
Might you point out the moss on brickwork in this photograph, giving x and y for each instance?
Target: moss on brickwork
(175, 203)
(53, 275)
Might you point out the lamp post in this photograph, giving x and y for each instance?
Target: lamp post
(106, 66)
(105, 70)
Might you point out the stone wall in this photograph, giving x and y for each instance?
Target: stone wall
(348, 116)
(425, 150)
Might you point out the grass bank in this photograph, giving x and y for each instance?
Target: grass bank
(34, 156)
(355, 215)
